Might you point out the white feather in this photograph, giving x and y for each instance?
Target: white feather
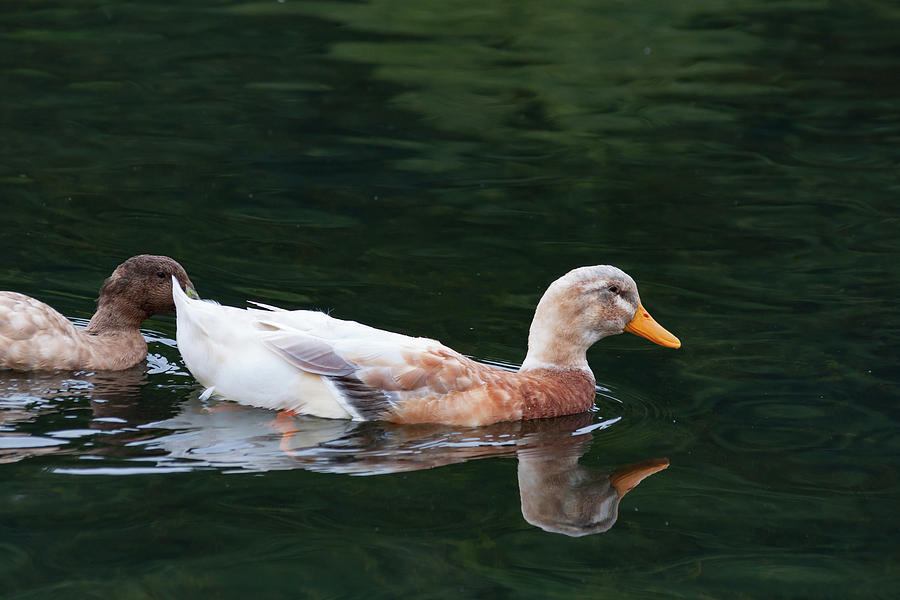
(226, 348)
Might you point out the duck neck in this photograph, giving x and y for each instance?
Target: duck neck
(113, 316)
(556, 342)
(546, 350)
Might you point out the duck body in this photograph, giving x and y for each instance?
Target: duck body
(34, 336)
(310, 363)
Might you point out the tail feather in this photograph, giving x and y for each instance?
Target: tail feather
(178, 294)
(183, 308)
(267, 306)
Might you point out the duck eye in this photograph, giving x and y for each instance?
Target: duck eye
(613, 289)
(161, 275)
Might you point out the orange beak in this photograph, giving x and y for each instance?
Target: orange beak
(643, 325)
(625, 478)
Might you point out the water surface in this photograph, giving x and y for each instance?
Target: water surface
(429, 169)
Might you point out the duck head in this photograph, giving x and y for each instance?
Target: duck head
(139, 288)
(583, 306)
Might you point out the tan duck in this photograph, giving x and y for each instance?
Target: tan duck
(33, 336)
(310, 363)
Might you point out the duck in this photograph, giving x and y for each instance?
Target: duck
(310, 363)
(35, 337)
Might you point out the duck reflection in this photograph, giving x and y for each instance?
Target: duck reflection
(561, 496)
(51, 396)
(557, 493)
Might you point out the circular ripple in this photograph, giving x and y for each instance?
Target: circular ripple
(643, 420)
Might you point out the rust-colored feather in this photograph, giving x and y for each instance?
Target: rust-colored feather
(481, 394)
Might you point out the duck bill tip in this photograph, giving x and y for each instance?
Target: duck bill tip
(188, 288)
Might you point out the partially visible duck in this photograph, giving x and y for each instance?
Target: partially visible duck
(310, 363)
(33, 336)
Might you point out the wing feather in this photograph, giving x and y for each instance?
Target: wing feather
(309, 353)
(374, 374)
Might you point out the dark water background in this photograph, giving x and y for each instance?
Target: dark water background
(429, 168)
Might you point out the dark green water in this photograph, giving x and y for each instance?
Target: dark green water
(429, 168)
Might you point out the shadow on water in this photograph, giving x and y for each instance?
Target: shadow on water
(49, 412)
(557, 494)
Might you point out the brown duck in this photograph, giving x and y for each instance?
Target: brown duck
(34, 336)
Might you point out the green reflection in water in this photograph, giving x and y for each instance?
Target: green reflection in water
(429, 168)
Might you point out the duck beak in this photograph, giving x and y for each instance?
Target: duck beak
(188, 288)
(643, 325)
(625, 478)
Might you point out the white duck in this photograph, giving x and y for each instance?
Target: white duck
(307, 362)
